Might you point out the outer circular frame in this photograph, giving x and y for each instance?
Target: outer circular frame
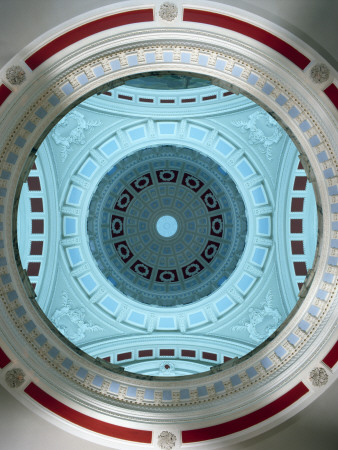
(126, 410)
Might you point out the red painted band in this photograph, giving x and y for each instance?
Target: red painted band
(332, 92)
(4, 360)
(332, 357)
(263, 36)
(249, 420)
(85, 421)
(4, 93)
(83, 31)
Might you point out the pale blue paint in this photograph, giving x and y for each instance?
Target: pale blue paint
(114, 387)
(88, 283)
(167, 128)
(110, 147)
(237, 71)
(74, 255)
(259, 256)
(245, 283)
(109, 304)
(67, 89)
(224, 304)
(149, 394)
(259, 196)
(196, 318)
(264, 226)
(281, 99)
(203, 60)
(185, 57)
(74, 196)
(167, 323)
(88, 169)
(253, 78)
(69, 226)
(97, 381)
(132, 60)
(166, 226)
(82, 79)
(220, 64)
(137, 318)
(115, 64)
(197, 133)
(224, 147)
(168, 56)
(150, 57)
(280, 352)
(245, 168)
(98, 71)
(268, 88)
(138, 133)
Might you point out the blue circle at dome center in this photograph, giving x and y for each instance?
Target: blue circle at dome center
(166, 226)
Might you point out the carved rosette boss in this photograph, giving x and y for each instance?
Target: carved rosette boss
(168, 11)
(320, 73)
(15, 75)
(15, 378)
(166, 440)
(319, 376)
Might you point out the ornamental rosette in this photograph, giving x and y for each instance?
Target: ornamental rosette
(15, 378)
(168, 11)
(15, 75)
(320, 73)
(319, 376)
(166, 440)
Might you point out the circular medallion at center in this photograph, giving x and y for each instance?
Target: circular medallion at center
(166, 226)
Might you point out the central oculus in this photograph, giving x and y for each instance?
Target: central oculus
(166, 226)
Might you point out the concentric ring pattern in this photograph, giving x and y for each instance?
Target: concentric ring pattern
(167, 226)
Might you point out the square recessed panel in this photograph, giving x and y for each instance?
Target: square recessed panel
(296, 226)
(297, 247)
(245, 283)
(37, 226)
(297, 204)
(36, 205)
(36, 248)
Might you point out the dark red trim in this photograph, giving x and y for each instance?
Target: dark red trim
(332, 357)
(146, 100)
(33, 269)
(4, 93)
(124, 356)
(85, 421)
(263, 36)
(208, 355)
(4, 360)
(145, 353)
(125, 97)
(332, 92)
(188, 353)
(85, 30)
(167, 352)
(209, 97)
(249, 420)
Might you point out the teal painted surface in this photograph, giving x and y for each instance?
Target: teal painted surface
(248, 307)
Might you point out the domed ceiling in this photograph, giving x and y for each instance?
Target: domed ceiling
(162, 220)
(166, 226)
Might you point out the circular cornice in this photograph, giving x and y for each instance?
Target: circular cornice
(274, 380)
